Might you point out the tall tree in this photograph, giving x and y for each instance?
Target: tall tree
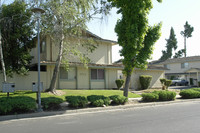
(17, 35)
(66, 19)
(179, 54)
(186, 33)
(135, 35)
(170, 46)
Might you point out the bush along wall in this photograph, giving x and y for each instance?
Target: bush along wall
(145, 81)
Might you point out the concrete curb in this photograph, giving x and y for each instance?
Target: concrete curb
(91, 110)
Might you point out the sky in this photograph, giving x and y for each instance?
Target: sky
(172, 13)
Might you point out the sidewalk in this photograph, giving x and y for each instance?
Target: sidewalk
(134, 103)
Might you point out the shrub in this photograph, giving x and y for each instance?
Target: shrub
(145, 81)
(196, 89)
(77, 101)
(191, 81)
(190, 93)
(19, 104)
(168, 83)
(150, 97)
(116, 99)
(119, 83)
(98, 103)
(162, 80)
(50, 103)
(165, 95)
(94, 98)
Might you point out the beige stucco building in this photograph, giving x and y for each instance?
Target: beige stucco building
(100, 73)
(187, 68)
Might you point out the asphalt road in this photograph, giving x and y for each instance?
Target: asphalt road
(173, 118)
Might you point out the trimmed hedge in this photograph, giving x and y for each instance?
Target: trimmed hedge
(51, 103)
(94, 99)
(190, 93)
(77, 101)
(19, 104)
(145, 81)
(119, 83)
(116, 99)
(150, 97)
(159, 96)
(166, 95)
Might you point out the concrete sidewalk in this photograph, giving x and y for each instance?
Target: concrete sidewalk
(134, 103)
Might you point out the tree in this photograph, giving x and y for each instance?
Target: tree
(64, 20)
(171, 45)
(186, 33)
(179, 54)
(17, 37)
(135, 35)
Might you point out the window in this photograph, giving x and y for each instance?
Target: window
(69, 75)
(167, 66)
(184, 65)
(97, 74)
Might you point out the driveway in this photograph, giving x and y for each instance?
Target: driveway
(180, 87)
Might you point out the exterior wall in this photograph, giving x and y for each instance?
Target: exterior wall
(25, 82)
(155, 83)
(101, 55)
(176, 67)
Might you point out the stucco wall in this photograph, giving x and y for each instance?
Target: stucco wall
(155, 83)
(25, 82)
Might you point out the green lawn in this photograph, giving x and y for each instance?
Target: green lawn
(72, 93)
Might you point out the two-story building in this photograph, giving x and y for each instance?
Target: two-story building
(187, 68)
(100, 73)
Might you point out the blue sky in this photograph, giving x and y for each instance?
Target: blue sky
(172, 13)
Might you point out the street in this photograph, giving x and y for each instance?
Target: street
(172, 118)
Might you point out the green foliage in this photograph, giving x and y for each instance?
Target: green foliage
(180, 53)
(189, 93)
(18, 104)
(116, 99)
(51, 103)
(167, 83)
(145, 81)
(165, 95)
(163, 80)
(150, 97)
(98, 103)
(186, 33)
(119, 83)
(191, 81)
(17, 37)
(171, 45)
(94, 99)
(135, 36)
(77, 101)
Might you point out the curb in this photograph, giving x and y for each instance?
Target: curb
(90, 110)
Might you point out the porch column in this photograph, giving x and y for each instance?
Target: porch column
(197, 79)
(189, 79)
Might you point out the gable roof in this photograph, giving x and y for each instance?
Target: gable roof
(177, 60)
(90, 34)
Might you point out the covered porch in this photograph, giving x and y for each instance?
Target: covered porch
(194, 76)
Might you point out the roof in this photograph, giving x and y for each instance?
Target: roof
(99, 38)
(89, 65)
(177, 60)
(149, 66)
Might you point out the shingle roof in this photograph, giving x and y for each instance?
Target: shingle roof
(177, 60)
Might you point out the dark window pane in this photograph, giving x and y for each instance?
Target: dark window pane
(100, 73)
(93, 73)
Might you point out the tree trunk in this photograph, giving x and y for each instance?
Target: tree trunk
(127, 83)
(185, 46)
(2, 61)
(57, 67)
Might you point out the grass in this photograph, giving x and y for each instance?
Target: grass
(71, 93)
